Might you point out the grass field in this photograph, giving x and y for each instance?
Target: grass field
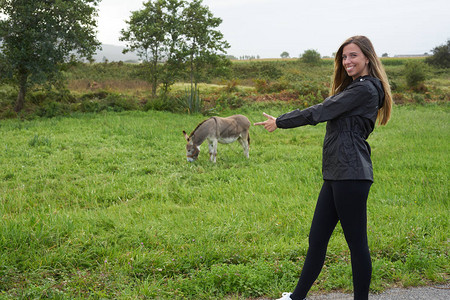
(106, 206)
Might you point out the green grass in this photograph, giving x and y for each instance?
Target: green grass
(106, 206)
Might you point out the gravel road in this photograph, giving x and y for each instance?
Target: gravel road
(437, 292)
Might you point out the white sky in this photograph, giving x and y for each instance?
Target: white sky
(269, 27)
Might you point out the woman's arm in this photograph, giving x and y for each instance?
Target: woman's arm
(355, 97)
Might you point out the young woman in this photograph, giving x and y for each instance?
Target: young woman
(360, 95)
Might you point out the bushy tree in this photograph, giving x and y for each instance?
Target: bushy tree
(202, 42)
(440, 57)
(173, 35)
(154, 33)
(284, 54)
(38, 36)
(415, 73)
(311, 57)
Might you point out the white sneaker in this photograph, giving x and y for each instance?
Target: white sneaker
(285, 296)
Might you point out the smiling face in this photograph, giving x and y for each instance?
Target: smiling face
(355, 63)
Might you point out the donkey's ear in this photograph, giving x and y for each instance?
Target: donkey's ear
(186, 136)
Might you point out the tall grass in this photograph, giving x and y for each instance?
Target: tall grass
(191, 100)
(106, 206)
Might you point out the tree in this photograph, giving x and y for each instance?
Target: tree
(38, 36)
(154, 33)
(174, 57)
(440, 57)
(311, 57)
(171, 35)
(201, 41)
(284, 54)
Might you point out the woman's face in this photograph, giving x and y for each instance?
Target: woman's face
(354, 61)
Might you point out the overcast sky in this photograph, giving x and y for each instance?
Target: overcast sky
(269, 27)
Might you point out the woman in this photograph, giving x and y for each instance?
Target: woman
(360, 95)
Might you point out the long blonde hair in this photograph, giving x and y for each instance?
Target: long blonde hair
(341, 79)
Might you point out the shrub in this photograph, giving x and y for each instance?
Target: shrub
(37, 97)
(399, 98)
(226, 101)
(440, 57)
(8, 95)
(92, 105)
(7, 113)
(51, 109)
(261, 85)
(415, 73)
(312, 91)
(310, 99)
(41, 97)
(117, 102)
(393, 84)
(258, 70)
(95, 95)
(279, 86)
(231, 86)
(264, 86)
(102, 100)
(163, 102)
(311, 57)
(419, 99)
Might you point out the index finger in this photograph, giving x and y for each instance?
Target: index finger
(260, 123)
(268, 116)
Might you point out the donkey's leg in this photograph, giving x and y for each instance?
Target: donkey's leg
(212, 150)
(244, 143)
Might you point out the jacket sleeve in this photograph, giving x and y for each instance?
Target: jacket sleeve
(355, 96)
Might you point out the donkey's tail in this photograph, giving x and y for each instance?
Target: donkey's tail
(248, 139)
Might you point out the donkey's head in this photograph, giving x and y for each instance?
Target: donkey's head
(192, 150)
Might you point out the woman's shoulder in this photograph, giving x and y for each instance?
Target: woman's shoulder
(366, 81)
(375, 87)
(360, 86)
(366, 84)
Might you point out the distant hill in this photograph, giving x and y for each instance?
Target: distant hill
(114, 53)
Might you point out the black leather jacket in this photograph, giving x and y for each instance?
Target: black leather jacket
(351, 116)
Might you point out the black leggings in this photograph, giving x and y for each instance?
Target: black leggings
(344, 201)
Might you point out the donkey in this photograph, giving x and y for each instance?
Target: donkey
(217, 129)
